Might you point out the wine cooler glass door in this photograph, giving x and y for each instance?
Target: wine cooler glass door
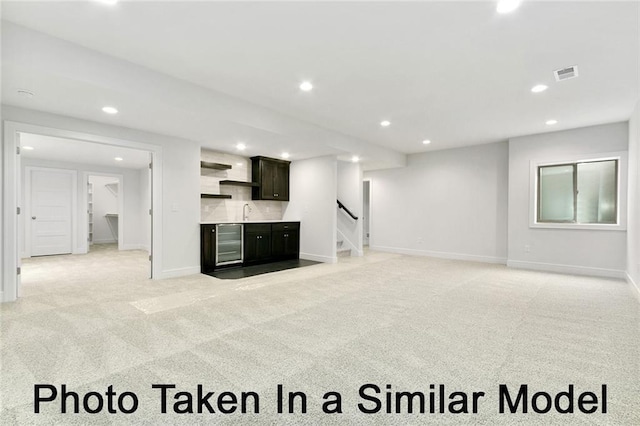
(228, 244)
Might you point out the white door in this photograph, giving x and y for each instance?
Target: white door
(51, 196)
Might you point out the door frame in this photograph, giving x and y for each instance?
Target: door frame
(27, 207)
(121, 219)
(368, 212)
(11, 197)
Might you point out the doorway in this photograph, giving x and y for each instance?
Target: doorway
(366, 212)
(20, 153)
(86, 218)
(104, 210)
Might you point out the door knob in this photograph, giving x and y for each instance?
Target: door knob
(33, 217)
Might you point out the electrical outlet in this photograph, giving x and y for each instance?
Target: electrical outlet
(527, 249)
(419, 240)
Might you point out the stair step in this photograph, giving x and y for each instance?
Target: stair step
(344, 252)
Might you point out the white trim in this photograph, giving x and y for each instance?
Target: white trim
(107, 241)
(634, 286)
(319, 258)
(179, 272)
(11, 252)
(587, 226)
(367, 213)
(442, 255)
(11, 192)
(623, 166)
(567, 269)
(134, 247)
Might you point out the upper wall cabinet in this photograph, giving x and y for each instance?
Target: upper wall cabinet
(272, 176)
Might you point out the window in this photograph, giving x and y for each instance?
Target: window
(582, 192)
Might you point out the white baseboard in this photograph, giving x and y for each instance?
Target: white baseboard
(134, 247)
(634, 286)
(180, 272)
(567, 269)
(442, 255)
(107, 241)
(319, 258)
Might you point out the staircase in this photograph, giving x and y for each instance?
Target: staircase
(342, 251)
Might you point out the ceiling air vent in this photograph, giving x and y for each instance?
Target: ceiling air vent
(566, 73)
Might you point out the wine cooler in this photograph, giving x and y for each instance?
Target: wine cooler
(229, 241)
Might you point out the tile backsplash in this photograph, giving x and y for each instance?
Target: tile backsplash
(213, 209)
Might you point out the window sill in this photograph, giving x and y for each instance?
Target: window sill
(581, 226)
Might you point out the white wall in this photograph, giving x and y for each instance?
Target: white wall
(633, 221)
(350, 194)
(449, 203)
(133, 228)
(313, 195)
(180, 185)
(594, 252)
(105, 202)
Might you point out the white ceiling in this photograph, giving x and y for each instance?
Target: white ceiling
(81, 152)
(456, 73)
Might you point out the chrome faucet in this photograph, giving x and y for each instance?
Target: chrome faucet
(245, 213)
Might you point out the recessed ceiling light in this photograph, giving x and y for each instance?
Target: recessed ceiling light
(26, 93)
(507, 6)
(118, 158)
(285, 155)
(109, 110)
(355, 159)
(426, 141)
(28, 148)
(239, 164)
(385, 123)
(551, 122)
(241, 147)
(539, 88)
(306, 86)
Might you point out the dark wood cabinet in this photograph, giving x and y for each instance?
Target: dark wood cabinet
(262, 243)
(207, 248)
(257, 243)
(285, 240)
(272, 177)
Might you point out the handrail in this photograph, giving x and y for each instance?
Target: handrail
(341, 206)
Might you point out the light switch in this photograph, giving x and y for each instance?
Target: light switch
(174, 207)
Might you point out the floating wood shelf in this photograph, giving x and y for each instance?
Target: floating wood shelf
(238, 183)
(224, 196)
(216, 166)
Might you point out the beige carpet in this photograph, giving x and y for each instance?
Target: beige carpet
(95, 320)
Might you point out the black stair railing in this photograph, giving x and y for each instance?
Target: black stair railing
(341, 206)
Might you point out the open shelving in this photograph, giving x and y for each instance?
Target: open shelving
(215, 166)
(220, 196)
(238, 183)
